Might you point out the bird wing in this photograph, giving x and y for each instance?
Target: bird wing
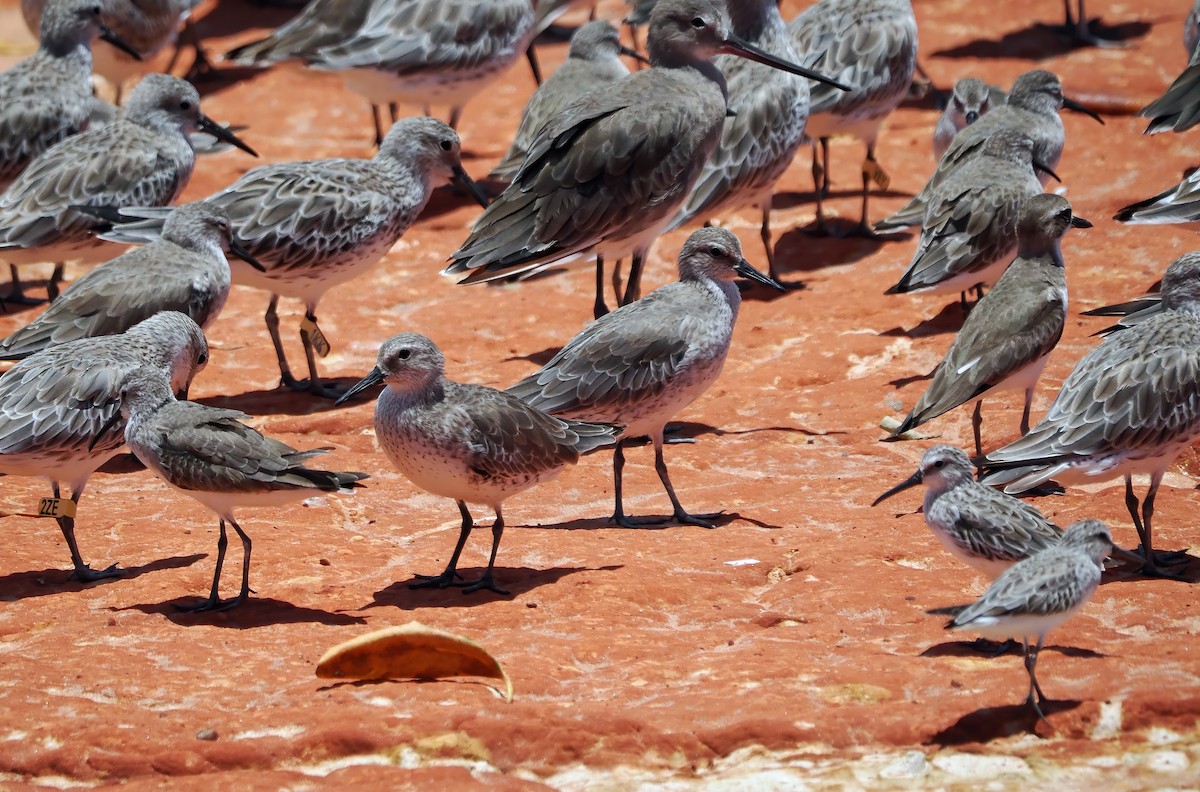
(28, 125)
(1039, 587)
(996, 526)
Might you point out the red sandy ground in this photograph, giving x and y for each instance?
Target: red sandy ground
(788, 647)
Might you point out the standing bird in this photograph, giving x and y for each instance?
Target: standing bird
(48, 96)
(1007, 338)
(145, 28)
(430, 52)
(970, 100)
(760, 140)
(870, 45)
(607, 175)
(593, 60)
(969, 233)
(186, 271)
(314, 224)
(979, 525)
(1131, 405)
(322, 23)
(58, 409)
(210, 455)
(1038, 594)
(143, 158)
(1032, 109)
(644, 362)
(467, 442)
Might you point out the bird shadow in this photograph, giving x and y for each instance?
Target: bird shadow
(44, 582)
(692, 429)
(901, 382)
(948, 320)
(285, 401)
(798, 252)
(254, 612)
(1185, 571)
(122, 464)
(971, 649)
(991, 723)
(516, 580)
(537, 358)
(448, 198)
(1039, 41)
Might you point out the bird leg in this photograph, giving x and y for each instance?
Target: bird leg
(1150, 565)
(872, 171)
(1025, 412)
(765, 234)
(533, 64)
(285, 371)
(977, 425)
(1035, 702)
(1076, 28)
(16, 293)
(55, 279)
(394, 111)
(633, 287)
(819, 182)
(376, 110)
(455, 116)
(315, 344)
(214, 601)
(450, 576)
(681, 516)
(600, 308)
(201, 65)
(66, 524)
(486, 581)
(245, 589)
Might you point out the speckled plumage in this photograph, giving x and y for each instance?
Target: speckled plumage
(322, 23)
(1005, 340)
(56, 405)
(641, 364)
(1131, 405)
(1032, 108)
(979, 525)
(314, 224)
(467, 442)
(209, 454)
(1036, 595)
(186, 271)
(593, 60)
(969, 233)
(760, 140)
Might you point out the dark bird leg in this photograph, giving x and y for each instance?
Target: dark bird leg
(455, 116)
(769, 247)
(1075, 27)
(450, 576)
(633, 287)
(55, 279)
(393, 112)
(66, 524)
(1035, 702)
(534, 66)
(376, 112)
(285, 371)
(214, 601)
(486, 581)
(16, 293)
(1150, 565)
(1025, 412)
(201, 66)
(315, 344)
(600, 308)
(681, 516)
(977, 426)
(871, 173)
(244, 592)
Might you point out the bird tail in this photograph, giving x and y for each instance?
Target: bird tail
(1177, 109)
(1148, 211)
(130, 225)
(590, 436)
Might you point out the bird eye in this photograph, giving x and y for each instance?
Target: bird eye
(96, 10)
(185, 105)
(715, 251)
(404, 354)
(446, 145)
(202, 359)
(941, 463)
(699, 22)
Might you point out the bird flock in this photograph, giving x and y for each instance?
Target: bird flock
(609, 155)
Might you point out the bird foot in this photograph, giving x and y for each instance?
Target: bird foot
(486, 582)
(444, 580)
(701, 520)
(85, 574)
(1035, 703)
(840, 229)
(317, 388)
(993, 648)
(1156, 565)
(213, 605)
(201, 69)
(21, 298)
(1081, 35)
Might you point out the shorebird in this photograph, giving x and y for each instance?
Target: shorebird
(351, 213)
(871, 45)
(472, 443)
(607, 175)
(321, 23)
(1006, 339)
(644, 362)
(1178, 109)
(1038, 594)
(760, 140)
(144, 157)
(55, 405)
(184, 271)
(145, 28)
(981, 526)
(48, 96)
(1032, 109)
(969, 232)
(970, 100)
(210, 455)
(423, 52)
(1131, 405)
(593, 60)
